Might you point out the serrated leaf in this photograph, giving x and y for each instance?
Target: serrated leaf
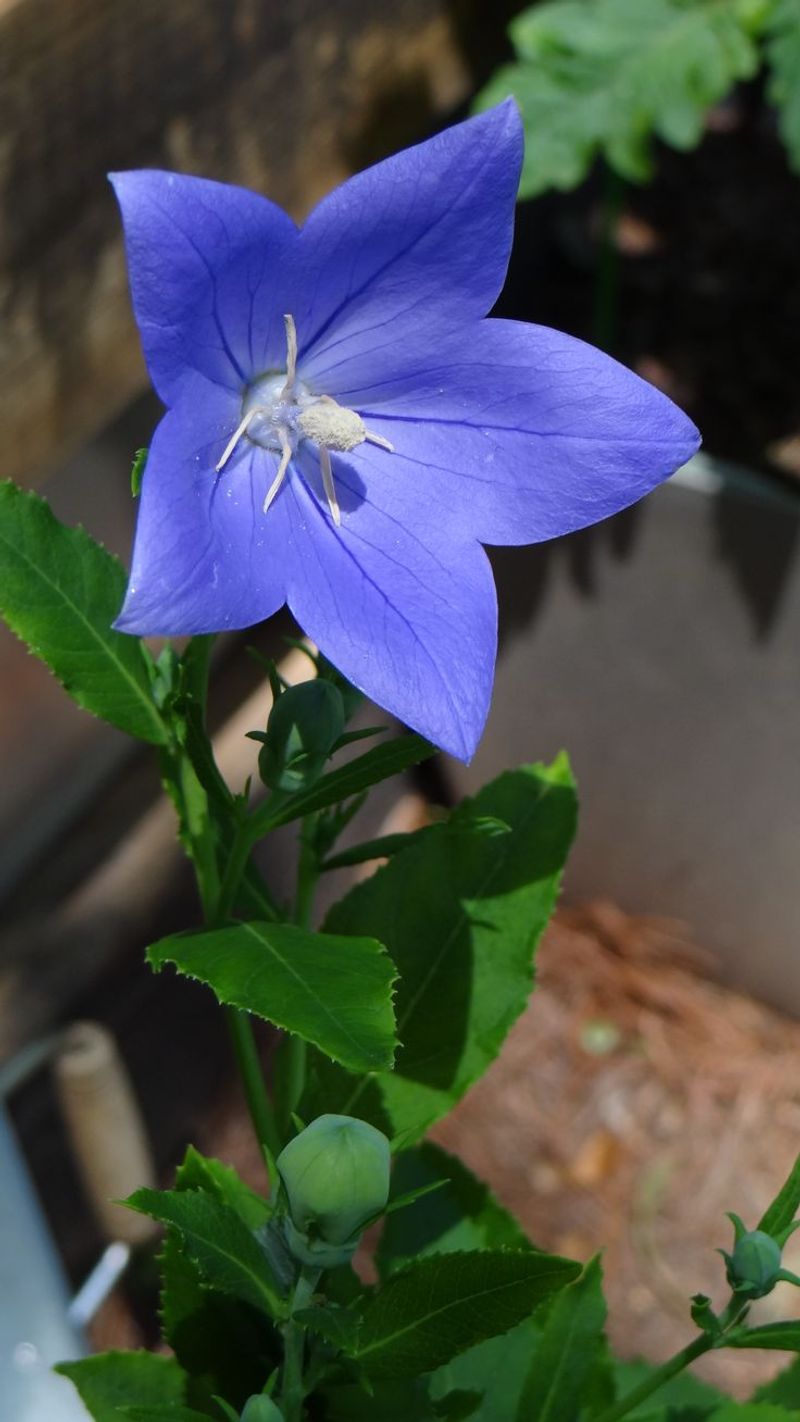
(59, 592)
(603, 76)
(442, 1305)
(203, 1172)
(783, 1390)
(109, 1381)
(462, 1214)
(360, 774)
(332, 990)
(784, 1207)
(783, 87)
(217, 1240)
(785, 1336)
(460, 913)
(570, 1343)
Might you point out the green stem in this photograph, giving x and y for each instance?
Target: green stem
(247, 1060)
(295, 1057)
(292, 1391)
(702, 1344)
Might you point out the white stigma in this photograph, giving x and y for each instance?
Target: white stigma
(277, 415)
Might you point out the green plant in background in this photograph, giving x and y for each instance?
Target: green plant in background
(602, 78)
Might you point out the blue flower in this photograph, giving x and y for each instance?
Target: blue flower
(345, 429)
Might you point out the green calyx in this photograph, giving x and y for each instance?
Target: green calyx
(335, 1174)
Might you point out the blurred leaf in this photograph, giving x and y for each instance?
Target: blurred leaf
(109, 1381)
(783, 88)
(59, 592)
(332, 990)
(603, 76)
(785, 1336)
(784, 1207)
(783, 1390)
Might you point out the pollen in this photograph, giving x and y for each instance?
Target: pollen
(326, 422)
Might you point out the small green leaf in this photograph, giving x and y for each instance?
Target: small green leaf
(496, 1370)
(605, 76)
(60, 592)
(332, 990)
(462, 1214)
(572, 1336)
(137, 471)
(360, 774)
(202, 1172)
(783, 58)
(109, 1381)
(784, 1207)
(444, 1304)
(217, 1240)
(381, 848)
(784, 1336)
(461, 912)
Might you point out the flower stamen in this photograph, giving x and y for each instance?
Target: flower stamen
(328, 484)
(291, 357)
(237, 435)
(286, 454)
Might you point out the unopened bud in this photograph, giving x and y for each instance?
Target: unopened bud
(261, 1408)
(304, 725)
(336, 1177)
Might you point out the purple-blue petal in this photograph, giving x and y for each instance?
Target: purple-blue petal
(409, 617)
(419, 241)
(513, 434)
(209, 266)
(205, 557)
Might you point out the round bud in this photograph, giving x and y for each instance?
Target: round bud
(755, 1264)
(260, 1408)
(304, 725)
(336, 1177)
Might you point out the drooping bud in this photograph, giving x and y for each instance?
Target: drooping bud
(260, 1408)
(304, 725)
(336, 1177)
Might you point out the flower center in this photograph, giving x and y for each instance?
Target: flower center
(279, 410)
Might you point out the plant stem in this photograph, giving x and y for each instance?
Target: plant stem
(702, 1344)
(292, 1391)
(296, 1051)
(258, 1102)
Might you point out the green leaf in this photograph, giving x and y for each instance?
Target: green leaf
(783, 88)
(334, 991)
(174, 1412)
(216, 1239)
(400, 1400)
(444, 1304)
(603, 76)
(496, 1369)
(784, 1390)
(60, 592)
(463, 1214)
(784, 1207)
(571, 1340)
(382, 848)
(684, 1391)
(110, 1381)
(769, 1335)
(460, 912)
(202, 1172)
(224, 1345)
(747, 1412)
(360, 774)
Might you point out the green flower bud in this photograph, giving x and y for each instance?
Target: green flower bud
(304, 725)
(336, 1177)
(754, 1268)
(260, 1408)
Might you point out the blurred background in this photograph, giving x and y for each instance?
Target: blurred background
(660, 219)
